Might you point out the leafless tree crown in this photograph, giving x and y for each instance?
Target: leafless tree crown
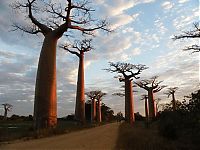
(95, 94)
(7, 106)
(195, 33)
(126, 70)
(144, 96)
(151, 84)
(80, 46)
(47, 16)
(171, 90)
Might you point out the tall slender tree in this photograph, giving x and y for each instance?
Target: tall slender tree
(79, 48)
(126, 72)
(151, 86)
(99, 97)
(145, 98)
(171, 91)
(92, 96)
(59, 18)
(7, 107)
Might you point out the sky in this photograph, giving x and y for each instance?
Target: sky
(143, 31)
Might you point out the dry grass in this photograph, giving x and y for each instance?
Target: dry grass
(138, 137)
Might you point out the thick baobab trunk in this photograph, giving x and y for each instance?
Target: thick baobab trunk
(151, 105)
(173, 102)
(45, 105)
(99, 111)
(129, 112)
(93, 110)
(80, 95)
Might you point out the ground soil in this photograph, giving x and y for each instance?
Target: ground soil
(102, 137)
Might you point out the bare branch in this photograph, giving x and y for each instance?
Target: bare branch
(195, 33)
(82, 47)
(151, 84)
(30, 30)
(97, 94)
(144, 97)
(170, 91)
(194, 48)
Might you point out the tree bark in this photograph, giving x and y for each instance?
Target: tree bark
(45, 105)
(173, 102)
(129, 108)
(80, 95)
(93, 111)
(99, 111)
(146, 109)
(151, 105)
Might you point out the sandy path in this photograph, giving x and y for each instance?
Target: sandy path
(103, 137)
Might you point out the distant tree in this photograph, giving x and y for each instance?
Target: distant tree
(171, 91)
(107, 113)
(79, 48)
(99, 97)
(119, 116)
(151, 86)
(195, 33)
(59, 18)
(157, 103)
(7, 107)
(126, 72)
(92, 95)
(145, 98)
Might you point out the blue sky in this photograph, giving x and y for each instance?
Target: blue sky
(142, 34)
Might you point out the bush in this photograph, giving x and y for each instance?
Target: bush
(169, 124)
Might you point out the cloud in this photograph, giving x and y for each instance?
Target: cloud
(167, 5)
(178, 68)
(136, 51)
(183, 1)
(160, 26)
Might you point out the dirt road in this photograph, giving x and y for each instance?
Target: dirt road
(103, 137)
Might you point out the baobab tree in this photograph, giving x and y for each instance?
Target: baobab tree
(79, 48)
(58, 19)
(171, 91)
(151, 86)
(145, 98)
(126, 72)
(7, 107)
(192, 34)
(122, 91)
(92, 96)
(100, 94)
(157, 105)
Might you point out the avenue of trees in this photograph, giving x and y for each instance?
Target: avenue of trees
(152, 86)
(60, 19)
(126, 72)
(77, 15)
